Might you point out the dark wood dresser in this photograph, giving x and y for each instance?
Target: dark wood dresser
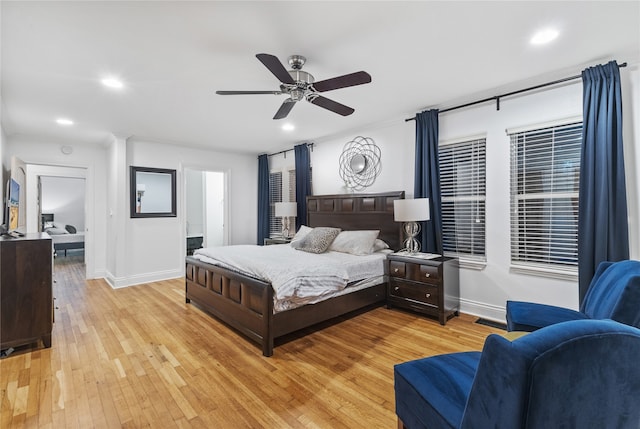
(428, 286)
(26, 294)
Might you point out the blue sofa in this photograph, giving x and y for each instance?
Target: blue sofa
(579, 374)
(614, 293)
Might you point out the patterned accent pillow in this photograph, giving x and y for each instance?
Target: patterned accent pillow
(318, 240)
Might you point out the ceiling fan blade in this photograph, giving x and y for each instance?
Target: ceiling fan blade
(284, 109)
(247, 92)
(352, 79)
(334, 106)
(275, 66)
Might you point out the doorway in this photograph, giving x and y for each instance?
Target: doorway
(62, 216)
(35, 173)
(205, 220)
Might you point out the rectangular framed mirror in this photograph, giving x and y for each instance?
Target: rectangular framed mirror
(152, 192)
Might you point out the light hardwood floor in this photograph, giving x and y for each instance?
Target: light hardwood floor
(140, 357)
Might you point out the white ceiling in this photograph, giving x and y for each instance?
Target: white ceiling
(173, 56)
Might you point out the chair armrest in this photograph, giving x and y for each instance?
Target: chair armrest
(530, 316)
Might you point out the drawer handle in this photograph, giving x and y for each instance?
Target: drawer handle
(396, 288)
(428, 295)
(396, 270)
(427, 275)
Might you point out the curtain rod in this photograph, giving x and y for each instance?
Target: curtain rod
(498, 97)
(289, 150)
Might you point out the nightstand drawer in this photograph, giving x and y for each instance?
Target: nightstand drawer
(416, 272)
(397, 269)
(420, 293)
(427, 285)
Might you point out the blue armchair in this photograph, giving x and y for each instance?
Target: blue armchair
(614, 293)
(577, 374)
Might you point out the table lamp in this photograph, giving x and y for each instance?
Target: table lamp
(285, 211)
(411, 211)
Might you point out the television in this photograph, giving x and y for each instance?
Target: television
(13, 206)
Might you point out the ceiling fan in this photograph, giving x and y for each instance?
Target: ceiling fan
(298, 85)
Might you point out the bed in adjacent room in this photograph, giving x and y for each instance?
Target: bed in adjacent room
(290, 289)
(65, 237)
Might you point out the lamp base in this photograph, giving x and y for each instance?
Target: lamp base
(285, 227)
(411, 244)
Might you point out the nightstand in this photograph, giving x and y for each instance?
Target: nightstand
(427, 286)
(276, 240)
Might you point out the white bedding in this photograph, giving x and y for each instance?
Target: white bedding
(67, 238)
(297, 277)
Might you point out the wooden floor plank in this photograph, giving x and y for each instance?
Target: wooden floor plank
(141, 357)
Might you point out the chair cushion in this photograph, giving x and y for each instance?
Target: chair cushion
(614, 293)
(432, 392)
(530, 316)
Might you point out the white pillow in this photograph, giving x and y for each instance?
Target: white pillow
(355, 242)
(302, 232)
(56, 231)
(379, 245)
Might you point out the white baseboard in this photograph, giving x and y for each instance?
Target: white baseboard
(484, 310)
(120, 282)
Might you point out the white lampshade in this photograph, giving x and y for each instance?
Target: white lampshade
(415, 210)
(286, 209)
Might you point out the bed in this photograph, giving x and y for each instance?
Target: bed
(247, 303)
(65, 237)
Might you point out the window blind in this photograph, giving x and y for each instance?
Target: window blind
(545, 174)
(275, 196)
(462, 187)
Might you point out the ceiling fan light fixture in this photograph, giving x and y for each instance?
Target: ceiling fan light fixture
(300, 85)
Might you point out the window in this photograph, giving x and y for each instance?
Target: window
(277, 189)
(462, 184)
(545, 173)
(275, 196)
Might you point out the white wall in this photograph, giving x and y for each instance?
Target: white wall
(194, 202)
(484, 292)
(156, 246)
(214, 208)
(64, 197)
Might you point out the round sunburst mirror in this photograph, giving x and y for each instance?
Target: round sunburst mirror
(360, 163)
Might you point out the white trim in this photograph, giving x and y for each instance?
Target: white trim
(471, 264)
(550, 124)
(137, 279)
(463, 139)
(486, 311)
(545, 271)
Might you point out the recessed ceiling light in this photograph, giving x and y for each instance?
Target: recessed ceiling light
(544, 36)
(112, 83)
(288, 127)
(64, 121)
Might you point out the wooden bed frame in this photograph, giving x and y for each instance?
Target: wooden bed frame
(246, 303)
(69, 245)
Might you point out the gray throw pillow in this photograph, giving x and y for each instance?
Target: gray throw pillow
(318, 240)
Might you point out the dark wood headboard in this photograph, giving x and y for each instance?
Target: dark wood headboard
(45, 217)
(358, 212)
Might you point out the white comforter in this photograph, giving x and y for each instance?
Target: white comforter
(297, 277)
